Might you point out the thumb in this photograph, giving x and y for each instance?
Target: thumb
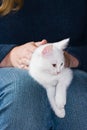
(40, 43)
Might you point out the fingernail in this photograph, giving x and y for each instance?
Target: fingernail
(44, 41)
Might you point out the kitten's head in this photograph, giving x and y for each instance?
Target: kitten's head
(49, 58)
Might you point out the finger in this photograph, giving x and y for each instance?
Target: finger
(25, 58)
(31, 47)
(26, 67)
(40, 43)
(28, 54)
(24, 61)
(67, 60)
(70, 61)
(22, 66)
(74, 62)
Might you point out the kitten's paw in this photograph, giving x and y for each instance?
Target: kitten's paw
(60, 113)
(60, 102)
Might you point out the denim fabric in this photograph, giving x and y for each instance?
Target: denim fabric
(76, 107)
(24, 104)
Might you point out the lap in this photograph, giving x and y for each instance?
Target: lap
(76, 107)
(25, 101)
(32, 104)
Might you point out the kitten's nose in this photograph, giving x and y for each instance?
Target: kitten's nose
(58, 72)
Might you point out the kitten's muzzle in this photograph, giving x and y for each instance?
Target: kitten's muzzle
(58, 72)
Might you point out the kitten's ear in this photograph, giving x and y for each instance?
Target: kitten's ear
(47, 50)
(62, 44)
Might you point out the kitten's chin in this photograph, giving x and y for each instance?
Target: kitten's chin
(55, 73)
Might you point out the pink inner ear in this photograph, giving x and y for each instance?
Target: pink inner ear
(47, 50)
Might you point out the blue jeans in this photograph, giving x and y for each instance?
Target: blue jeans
(24, 104)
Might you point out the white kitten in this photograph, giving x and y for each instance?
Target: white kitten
(47, 68)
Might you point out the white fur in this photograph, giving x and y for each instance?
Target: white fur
(54, 79)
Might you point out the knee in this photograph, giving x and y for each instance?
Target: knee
(19, 89)
(11, 81)
(13, 76)
(27, 97)
(16, 82)
(21, 84)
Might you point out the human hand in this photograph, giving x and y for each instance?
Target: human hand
(70, 61)
(20, 56)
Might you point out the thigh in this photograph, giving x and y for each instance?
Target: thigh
(23, 102)
(76, 107)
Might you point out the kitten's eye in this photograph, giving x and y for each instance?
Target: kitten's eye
(61, 64)
(54, 65)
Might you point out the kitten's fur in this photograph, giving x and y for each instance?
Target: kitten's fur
(47, 68)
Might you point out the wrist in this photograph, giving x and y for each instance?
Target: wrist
(6, 62)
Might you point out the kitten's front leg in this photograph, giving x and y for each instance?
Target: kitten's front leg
(60, 97)
(61, 89)
(51, 92)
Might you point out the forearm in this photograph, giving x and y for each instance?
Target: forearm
(5, 49)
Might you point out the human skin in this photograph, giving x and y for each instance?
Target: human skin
(20, 56)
